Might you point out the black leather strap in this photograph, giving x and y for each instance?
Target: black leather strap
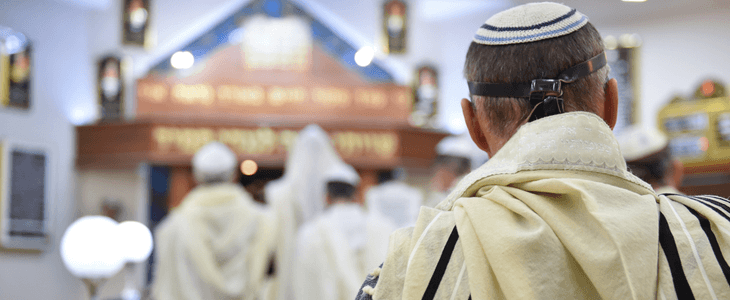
(583, 69)
(523, 90)
(517, 90)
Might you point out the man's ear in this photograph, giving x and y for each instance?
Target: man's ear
(610, 103)
(472, 124)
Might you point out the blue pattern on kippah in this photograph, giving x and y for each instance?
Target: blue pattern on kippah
(548, 23)
(522, 38)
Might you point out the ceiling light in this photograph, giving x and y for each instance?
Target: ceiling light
(364, 56)
(182, 60)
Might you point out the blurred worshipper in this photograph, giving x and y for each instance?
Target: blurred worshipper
(395, 200)
(216, 244)
(338, 248)
(456, 156)
(298, 197)
(554, 213)
(647, 155)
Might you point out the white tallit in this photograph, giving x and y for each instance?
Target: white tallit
(337, 250)
(215, 245)
(396, 201)
(556, 215)
(298, 197)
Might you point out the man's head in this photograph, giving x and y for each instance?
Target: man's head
(648, 157)
(528, 42)
(342, 181)
(456, 156)
(214, 163)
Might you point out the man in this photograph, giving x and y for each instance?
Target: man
(396, 200)
(647, 155)
(554, 214)
(337, 248)
(457, 155)
(215, 245)
(297, 198)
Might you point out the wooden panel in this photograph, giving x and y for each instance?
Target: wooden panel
(223, 87)
(181, 183)
(420, 149)
(174, 143)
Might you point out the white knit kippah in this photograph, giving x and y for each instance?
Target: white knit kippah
(214, 160)
(529, 23)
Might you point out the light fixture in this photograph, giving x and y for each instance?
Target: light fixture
(95, 248)
(364, 56)
(91, 251)
(249, 167)
(136, 241)
(182, 60)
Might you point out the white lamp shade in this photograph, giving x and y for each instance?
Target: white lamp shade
(90, 248)
(136, 241)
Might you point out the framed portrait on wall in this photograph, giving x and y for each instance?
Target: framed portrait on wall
(25, 193)
(20, 78)
(136, 22)
(110, 88)
(425, 95)
(15, 70)
(395, 26)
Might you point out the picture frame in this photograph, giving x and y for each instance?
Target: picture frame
(136, 23)
(110, 88)
(395, 26)
(425, 97)
(25, 195)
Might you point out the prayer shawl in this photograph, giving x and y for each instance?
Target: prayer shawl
(556, 215)
(296, 198)
(395, 200)
(215, 245)
(336, 250)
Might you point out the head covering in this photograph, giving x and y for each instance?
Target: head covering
(637, 142)
(303, 182)
(529, 23)
(214, 162)
(462, 146)
(342, 172)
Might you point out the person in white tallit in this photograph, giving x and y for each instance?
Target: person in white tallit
(216, 244)
(648, 156)
(298, 197)
(337, 249)
(554, 213)
(456, 156)
(396, 200)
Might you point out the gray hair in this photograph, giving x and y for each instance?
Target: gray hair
(545, 59)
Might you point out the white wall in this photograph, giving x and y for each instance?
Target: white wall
(61, 75)
(129, 188)
(677, 54)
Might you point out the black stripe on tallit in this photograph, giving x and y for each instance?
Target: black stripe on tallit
(705, 224)
(713, 207)
(705, 203)
(666, 240)
(440, 270)
(716, 198)
(723, 206)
